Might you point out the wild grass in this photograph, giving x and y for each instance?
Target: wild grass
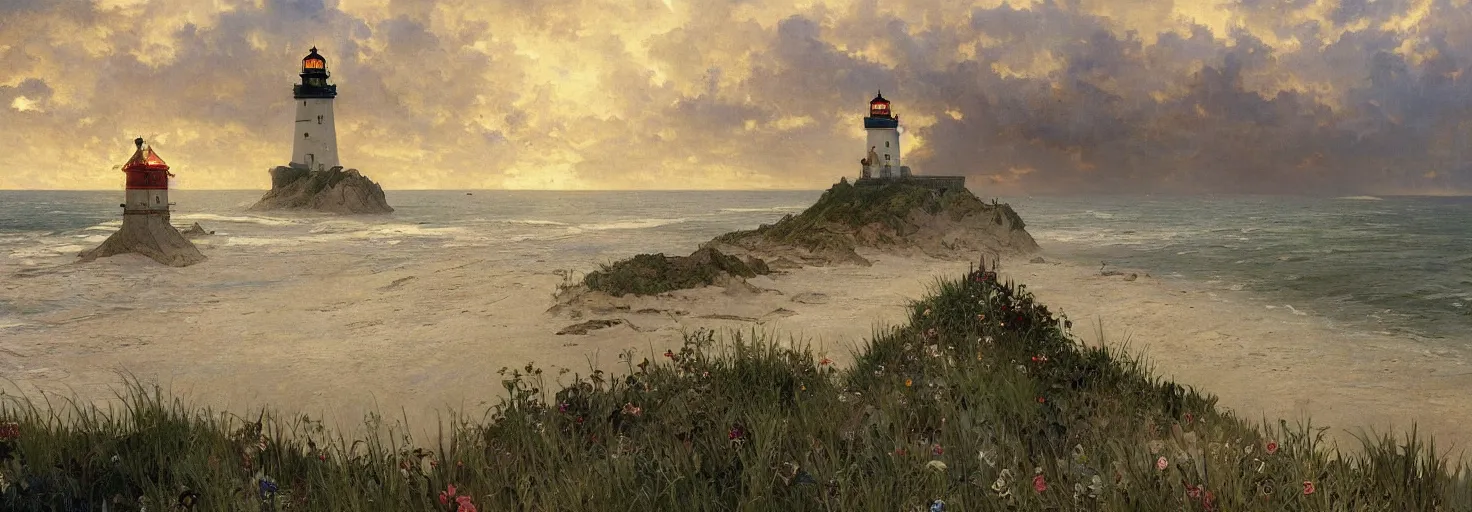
(981, 401)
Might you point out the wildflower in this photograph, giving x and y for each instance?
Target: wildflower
(1042, 400)
(463, 504)
(1161, 463)
(909, 383)
(935, 449)
(1039, 484)
(1189, 418)
(562, 407)
(989, 458)
(670, 354)
(9, 431)
(267, 488)
(825, 362)
(1272, 447)
(936, 465)
(1308, 488)
(632, 410)
(737, 433)
(1193, 491)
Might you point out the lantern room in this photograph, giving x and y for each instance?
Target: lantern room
(879, 107)
(314, 78)
(314, 62)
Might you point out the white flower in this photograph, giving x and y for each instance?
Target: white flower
(936, 465)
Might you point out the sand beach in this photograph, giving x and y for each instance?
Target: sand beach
(334, 334)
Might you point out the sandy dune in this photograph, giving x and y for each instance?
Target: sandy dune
(340, 333)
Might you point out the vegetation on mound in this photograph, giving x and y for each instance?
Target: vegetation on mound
(981, 402)
(845, 207)
(651, 274)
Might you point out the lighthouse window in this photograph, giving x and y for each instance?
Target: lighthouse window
(886, 156)
(306, 135)
(886, 143)
(319, 119)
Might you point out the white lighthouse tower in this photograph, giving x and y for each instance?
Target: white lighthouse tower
(315, 143)
(882, 158)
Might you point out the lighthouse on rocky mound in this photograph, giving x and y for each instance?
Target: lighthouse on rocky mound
(315, 144)
(146, 229)
(883, 127)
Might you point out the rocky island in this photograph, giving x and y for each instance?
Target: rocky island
(895, 217)
(334, 190)
(146, 229)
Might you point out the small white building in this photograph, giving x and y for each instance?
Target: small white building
(882, 156)
(315, 143)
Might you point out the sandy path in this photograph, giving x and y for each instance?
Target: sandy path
(337, 334)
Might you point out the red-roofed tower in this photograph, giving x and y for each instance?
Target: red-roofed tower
(148, 183)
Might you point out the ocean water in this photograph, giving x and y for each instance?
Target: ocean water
(1398, 264)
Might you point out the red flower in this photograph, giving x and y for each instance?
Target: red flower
(1193, 491)
(1272, 447)
(1188, 418)
(936, 449)
(670, 354)
(1308, 488)
(463, 504)
(447, 495)
(1039, 484)
(825, 362)
(899, 451)
(9, 431)
(1042, 400)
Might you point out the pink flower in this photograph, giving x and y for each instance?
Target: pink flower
(447, 494)
(1039, 484)
(463, 504)
(1193, 491)
(1272, 447)
(1308, 488)
(936, 449)
(1161, 463)
(825, 362)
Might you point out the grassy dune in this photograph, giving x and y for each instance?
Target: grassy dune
(982, 401)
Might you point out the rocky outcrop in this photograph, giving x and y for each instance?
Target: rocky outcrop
(151, 236)
(333, 191)
(649, 274)
(195, 231)
(896, 218)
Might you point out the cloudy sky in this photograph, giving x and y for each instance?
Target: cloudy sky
(1062, 96)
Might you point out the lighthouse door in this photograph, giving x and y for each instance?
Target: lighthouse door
(311, 161)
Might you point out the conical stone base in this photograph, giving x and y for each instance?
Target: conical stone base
(149, 235)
